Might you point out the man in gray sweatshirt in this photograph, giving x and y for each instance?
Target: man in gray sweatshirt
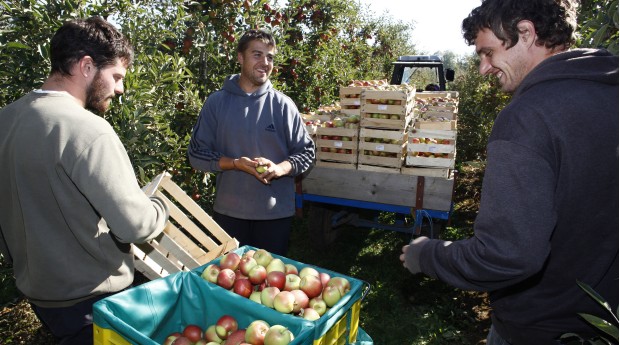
(245, 125)
(71, 204)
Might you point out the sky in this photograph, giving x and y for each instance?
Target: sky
(437, 22)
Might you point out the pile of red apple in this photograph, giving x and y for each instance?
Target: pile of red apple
(226, 331)
(267, 280)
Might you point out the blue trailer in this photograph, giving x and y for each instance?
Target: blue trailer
(338, 196)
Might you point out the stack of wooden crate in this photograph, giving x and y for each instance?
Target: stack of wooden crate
(386, 113)
(431, 147)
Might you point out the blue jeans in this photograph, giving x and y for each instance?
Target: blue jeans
(493, 338)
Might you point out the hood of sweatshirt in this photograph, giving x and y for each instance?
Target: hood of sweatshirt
(587, 64)
(231, 84)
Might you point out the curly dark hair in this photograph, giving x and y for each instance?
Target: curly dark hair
(252, 35)
(92, 37)
(554, 21)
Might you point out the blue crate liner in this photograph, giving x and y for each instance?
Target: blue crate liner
(359, 289)
(148, 313)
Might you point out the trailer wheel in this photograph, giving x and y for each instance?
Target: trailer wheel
(321, 233)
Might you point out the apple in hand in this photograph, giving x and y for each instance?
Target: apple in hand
(210, 273)
(278, 335)
(226, 278)
(255, 333)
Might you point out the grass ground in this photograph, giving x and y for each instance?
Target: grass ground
(399, 309)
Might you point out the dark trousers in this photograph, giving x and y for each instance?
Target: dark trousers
(70, 325)
(272, 235)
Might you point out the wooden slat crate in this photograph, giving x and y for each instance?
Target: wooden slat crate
(383, 148)
(191, 237)
(337, 144)
(426, 171)
(449, 125)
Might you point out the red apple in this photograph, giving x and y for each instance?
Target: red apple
(325, 277)
(343, 285)
(226, 278)
(182, 341)
(192, 332)
(230, 260)
(171, 338)
(278, 335)
(284, 302)
(309, 314)
(225, 325)
(246, 264)
(255, 333)
(277, 279)
(268, 295)
(291, 282)
(235, 338)
(301, 300)
(257, 274)
(311, 285)
(243, 287)
(210, 273)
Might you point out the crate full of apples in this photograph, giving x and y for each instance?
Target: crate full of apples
(431, 148)
(182, 309)
(299, 292)
(337, 140)
(382, 148)
(389, 107)
(350, 95)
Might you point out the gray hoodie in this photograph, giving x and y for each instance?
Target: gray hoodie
(266, 124)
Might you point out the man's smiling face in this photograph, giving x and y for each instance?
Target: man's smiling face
(256, 65)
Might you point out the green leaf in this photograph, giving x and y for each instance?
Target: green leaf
(601, 324)
(17, 45)
(598, 298)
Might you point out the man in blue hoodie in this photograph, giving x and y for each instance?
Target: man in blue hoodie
(549, 209)
(254, 138)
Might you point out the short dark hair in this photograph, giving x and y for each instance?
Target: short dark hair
(92, 37)
(554, 21)
(252, 35)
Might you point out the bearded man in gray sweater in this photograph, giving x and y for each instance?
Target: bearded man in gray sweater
(71, 204)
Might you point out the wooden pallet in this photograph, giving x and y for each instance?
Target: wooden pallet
(191, 237)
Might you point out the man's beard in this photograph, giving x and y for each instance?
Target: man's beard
(97, 100)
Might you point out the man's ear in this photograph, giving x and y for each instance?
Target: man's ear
(86, 66)
(240, 58)
(527, 32)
